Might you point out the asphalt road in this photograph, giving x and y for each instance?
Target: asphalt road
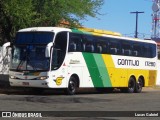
(148, 100)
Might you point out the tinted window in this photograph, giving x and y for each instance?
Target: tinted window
(75, 42)
(107, 45)
(88, 43)
(147, 50)
(126, 48)
(114, 46)
(102, 45)
(34, 37)
(59, 50)
(153, 49)
(137, 49)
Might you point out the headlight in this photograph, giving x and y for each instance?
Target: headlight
(12, 77)
(42, 78)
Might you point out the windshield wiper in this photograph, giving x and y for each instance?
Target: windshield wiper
(27, 58)
(20, 63)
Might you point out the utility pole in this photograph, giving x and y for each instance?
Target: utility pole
(136, 31)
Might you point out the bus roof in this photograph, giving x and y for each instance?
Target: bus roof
(84, 30)
(97, 31)
(108, 34)
(45, 29)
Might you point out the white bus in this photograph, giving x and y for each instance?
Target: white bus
(53, 57)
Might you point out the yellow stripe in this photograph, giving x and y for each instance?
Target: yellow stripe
(108, 60)
(119, 76)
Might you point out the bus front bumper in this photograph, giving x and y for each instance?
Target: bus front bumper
(29, 83)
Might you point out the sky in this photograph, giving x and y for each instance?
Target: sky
(116, 17)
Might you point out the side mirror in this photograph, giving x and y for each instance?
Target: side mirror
(48, 49)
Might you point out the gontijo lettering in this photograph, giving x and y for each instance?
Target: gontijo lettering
(128, 62)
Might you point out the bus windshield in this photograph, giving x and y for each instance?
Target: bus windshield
(29, 57)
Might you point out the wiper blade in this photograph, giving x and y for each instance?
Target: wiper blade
(28, 60)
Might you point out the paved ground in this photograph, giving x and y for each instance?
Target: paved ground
(148, 100)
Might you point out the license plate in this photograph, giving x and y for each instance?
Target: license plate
(25, 83)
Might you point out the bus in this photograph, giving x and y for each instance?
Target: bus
(69, 59)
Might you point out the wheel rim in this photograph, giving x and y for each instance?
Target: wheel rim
(131, 85)
(139, 84)
(72, 86)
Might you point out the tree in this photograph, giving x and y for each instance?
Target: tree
(18, 14)
(15, 14)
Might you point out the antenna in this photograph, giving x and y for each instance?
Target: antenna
(156, 20)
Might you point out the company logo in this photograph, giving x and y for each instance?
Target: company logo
(59, 80)
(21, 114)
(6, 114)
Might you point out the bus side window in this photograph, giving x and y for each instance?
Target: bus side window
(56, 58)
(105, 47)
(59, 50)
(137, 50)
(113, 51)
(153, 50)
(72, 46)
(74, 42)
(146, 50)
(114, 47)
(89, 47)
(99, 49)
(126, 48)
(84, 47)
(101, 45)
(88, 43)
(135, 53)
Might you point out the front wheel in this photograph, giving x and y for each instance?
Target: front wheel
(72, 86)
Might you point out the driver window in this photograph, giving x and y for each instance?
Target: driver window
(56, 58)
(59, 50)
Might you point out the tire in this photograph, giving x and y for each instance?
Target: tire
(139, 86)
(131, 85)
(72, 86)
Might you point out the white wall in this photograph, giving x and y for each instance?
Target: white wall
(4, 61)
(4, 68)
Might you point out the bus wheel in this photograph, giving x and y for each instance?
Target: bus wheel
(131, 85)
(72, 86)
(139, 85)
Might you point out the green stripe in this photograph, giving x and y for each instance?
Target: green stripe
(79, 31)
(76, 31)
(102, 70)
(97, 70)
(92, 67)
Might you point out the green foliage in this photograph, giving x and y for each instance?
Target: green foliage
(18, 14)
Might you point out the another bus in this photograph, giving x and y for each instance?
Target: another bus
(54, 57)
